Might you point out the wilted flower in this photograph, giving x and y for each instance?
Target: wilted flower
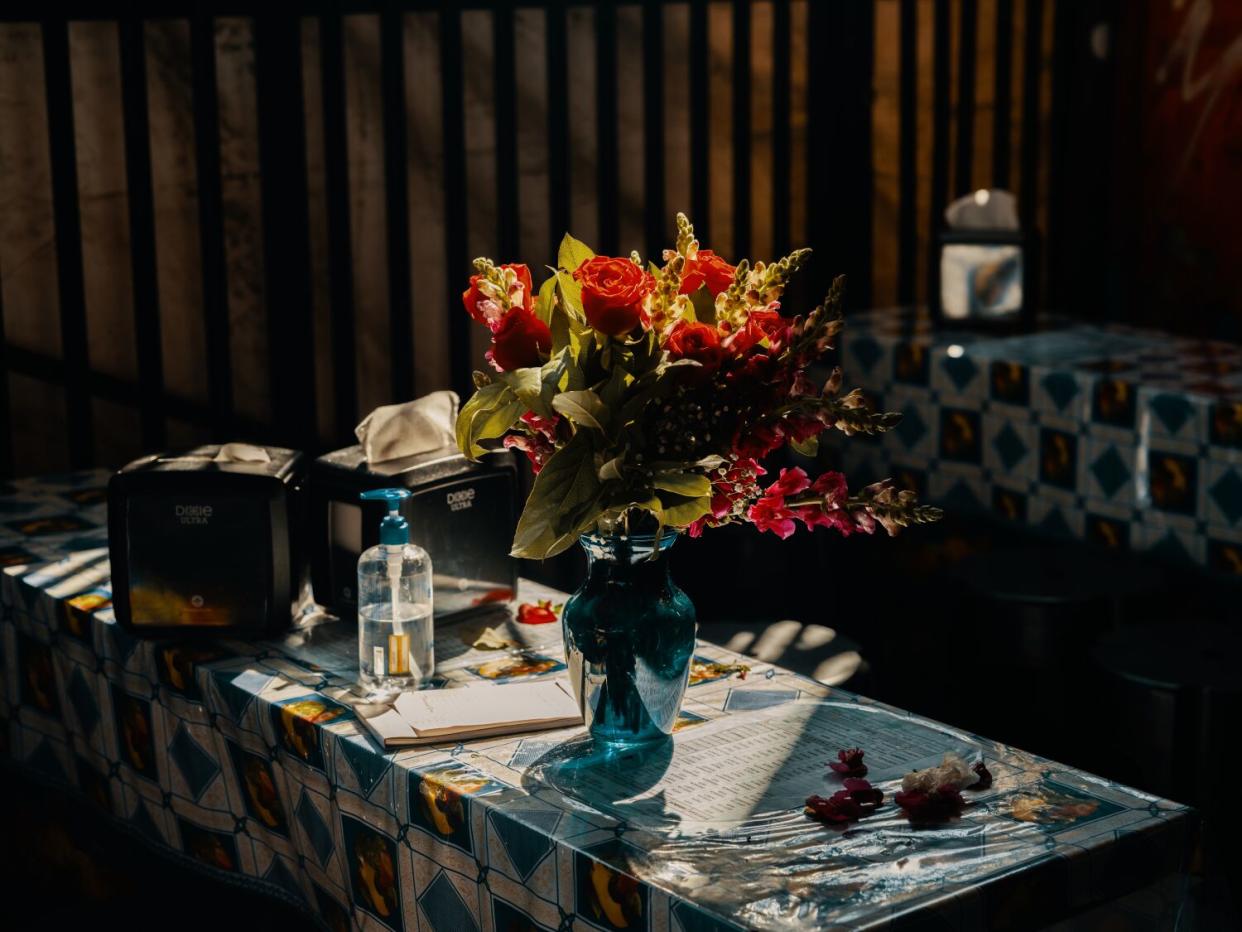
(935, 806)
(849, 763)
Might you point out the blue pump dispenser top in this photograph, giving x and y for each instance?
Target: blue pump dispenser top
(394, 529)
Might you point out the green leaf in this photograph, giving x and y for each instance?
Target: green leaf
(491, 411)
(567, 488)
(545, 303)
(689, 484)
(704, 305)
(612, 390)
(527, 384)
(808, 447)
(612, 469)
(572, 253)
(583, 407)
(571, 295)
(682, 512)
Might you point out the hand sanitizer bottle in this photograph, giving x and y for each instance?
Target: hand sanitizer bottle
(395, 650)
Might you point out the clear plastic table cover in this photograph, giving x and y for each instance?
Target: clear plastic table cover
(245, 760)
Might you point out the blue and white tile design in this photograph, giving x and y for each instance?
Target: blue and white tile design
(246, 761)
(1065, 429)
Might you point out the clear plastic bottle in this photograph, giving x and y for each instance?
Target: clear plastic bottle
(395, 629)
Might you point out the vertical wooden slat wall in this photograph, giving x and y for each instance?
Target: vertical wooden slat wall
(302, 204)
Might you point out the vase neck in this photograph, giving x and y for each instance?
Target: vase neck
(631, 556)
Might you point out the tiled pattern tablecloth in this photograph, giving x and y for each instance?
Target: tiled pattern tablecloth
(1128, 438)
(244, 760)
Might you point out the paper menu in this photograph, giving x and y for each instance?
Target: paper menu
(431, 715)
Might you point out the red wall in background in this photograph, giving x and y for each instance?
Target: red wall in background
(1188, 159)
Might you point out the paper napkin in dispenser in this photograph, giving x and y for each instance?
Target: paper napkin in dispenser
(983, 262)
(983, 210)
(391, 432)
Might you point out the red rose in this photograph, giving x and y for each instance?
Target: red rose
(472, 297)
(612, 293)
(699, 342)
(518, 340)
(706, 268)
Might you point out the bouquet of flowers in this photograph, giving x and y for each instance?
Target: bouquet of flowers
(651, 394)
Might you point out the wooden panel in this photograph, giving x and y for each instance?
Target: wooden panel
(583, 217)
(102, 197)
(551, 129)
(426, 181)
(243, 229)
(364, 128)
(175, 187)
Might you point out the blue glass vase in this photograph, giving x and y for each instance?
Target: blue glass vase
(629, 639)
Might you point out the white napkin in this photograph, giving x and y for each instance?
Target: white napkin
(393, 431)
(983, 210)
(241, 453)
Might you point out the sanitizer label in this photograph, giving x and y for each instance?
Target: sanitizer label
(378, 661)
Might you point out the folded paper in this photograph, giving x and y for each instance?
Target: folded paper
(241, 453)
(391, 432)
(983, 210)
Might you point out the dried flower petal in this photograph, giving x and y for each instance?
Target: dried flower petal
(952, 771)
(937, 806)
(985, 777)
(839, 809)
(849, 763)
(863, 793)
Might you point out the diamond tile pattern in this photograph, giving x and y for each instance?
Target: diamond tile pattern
(317, 831)
(912, 428)
(526, 836)
(1226, 492)
(444, 908)
(1110, 471)
(1009, 446)
(197, 766)
(82, 698)
(368, 857)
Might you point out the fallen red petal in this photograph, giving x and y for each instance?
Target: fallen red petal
(849, 763)
(937, 806)
(985, 777)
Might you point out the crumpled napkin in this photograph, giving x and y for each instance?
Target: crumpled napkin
(985, 209)
(391, 432)
(241, 453)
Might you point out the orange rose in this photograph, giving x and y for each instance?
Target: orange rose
(487, 312)
(695, 341)
(706, 268)
(612, 293)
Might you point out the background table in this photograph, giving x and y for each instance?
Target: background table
(1125, 437)
(245, 760)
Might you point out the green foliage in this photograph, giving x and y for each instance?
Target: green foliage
(489, 413)
(562, 501)
(584, 408)
(572, 253)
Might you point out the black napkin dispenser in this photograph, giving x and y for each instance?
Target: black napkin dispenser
(462, 513)
(203, 546)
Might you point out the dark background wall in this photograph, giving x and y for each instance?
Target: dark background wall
(218, 223)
